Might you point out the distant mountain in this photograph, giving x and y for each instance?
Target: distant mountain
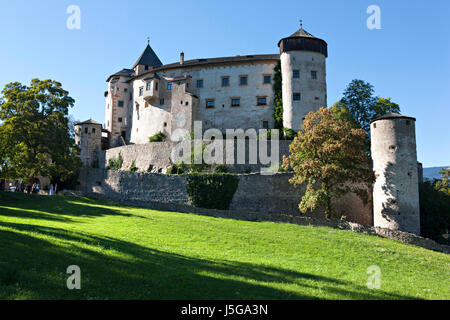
(433, 172)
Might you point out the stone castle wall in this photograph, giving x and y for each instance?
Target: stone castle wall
(255, 192)
(156, 156)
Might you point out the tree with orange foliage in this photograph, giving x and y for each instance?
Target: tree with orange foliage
(328, 154)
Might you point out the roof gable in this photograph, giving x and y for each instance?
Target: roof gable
(148, 58)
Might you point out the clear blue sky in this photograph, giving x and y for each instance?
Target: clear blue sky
(408, 59)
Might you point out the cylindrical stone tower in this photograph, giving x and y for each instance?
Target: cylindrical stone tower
(88, 137)
(304, 86)
(396, 189)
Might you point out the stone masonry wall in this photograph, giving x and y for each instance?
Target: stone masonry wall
(255, 192)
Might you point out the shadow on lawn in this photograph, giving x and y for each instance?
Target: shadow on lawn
(52, 208)
(145, 273)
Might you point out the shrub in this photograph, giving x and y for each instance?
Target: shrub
(115, 163)
(289, 134)
(434, 212)
(159, 137)
(212, 191)
(248, 170)
(221, 168)
(173, 169)
(133, 167)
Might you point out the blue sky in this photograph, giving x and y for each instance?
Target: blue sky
(408, 59)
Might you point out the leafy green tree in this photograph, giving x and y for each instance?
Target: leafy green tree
(35, 138)
(363, 105)
(329, 156)
(443, 184)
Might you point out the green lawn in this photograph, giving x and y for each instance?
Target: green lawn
(132, 253)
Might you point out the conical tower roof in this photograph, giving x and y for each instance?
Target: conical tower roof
(301, 33)
(302, 40)
(148, 58)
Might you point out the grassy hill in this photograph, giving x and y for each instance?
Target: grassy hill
(132, 253)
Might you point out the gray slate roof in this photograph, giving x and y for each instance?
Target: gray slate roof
(90, 121)
(148, 58)
(208, 61)
(301, 33)
(393, 116)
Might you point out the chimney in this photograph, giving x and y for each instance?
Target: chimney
(181, 57)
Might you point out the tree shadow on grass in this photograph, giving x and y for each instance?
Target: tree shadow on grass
(117, 269)
(55, 208)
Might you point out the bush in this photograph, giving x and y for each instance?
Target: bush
(221, 168)
(173, 169)
(133, 167)
(115, 163)
(434, 212)
(212, 191)
(159, 137)
(289, 134)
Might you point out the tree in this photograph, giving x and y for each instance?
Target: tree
(364, 106)
(328, 155)
(443, 184)
(35, 138)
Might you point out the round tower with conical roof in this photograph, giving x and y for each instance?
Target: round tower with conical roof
(304, 86)
(396, 189)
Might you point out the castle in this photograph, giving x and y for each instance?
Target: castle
(237, 92)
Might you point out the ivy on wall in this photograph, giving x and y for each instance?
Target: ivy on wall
(278, 100)
(211, 191)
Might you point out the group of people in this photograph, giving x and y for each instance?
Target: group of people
(33, 188)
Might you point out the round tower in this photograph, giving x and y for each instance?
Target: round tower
(88, 137)
(396, 189)
(304, 86)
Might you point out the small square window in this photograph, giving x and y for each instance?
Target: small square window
(209, 103)
(200, 83)
(120, 119)
(261, 101)
(126, 90)
(236, 102)
(267, 79)
(169, 85)
(225, 81)
(85, 130)
(296, 74)
(265, 124)
(314, 75)
(120, 103)
(93, 130)
(146, 67)
(141, 91)
(316, 98)
(296, 96)
(243, 80)
(148, 86)
(161, 101)
(187, 103)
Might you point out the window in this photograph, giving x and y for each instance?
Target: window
(314, 75)
(141, 91)
(209, 103)
(146, 67)
(120, 119)
(316, 98)
(265, 124)
(148, 86)
(120, 103)
(243, 80)
(235, 102)
(297, 96)
(161, 101)
(169, 85)
(295, 74)
(225, 81)
(187, 103)
(156, 86)
(85, 130)
(261, 101)
(93, 130)
(125, 89)
(200, 83)
(267, 79)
